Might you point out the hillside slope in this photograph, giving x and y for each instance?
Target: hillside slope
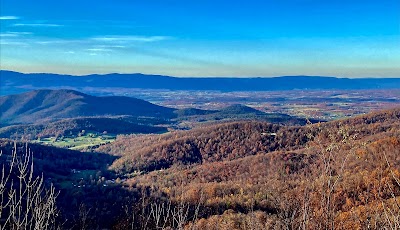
(238, 175)
(42, 105)
(234, 140)
(72, 126)
(344, 172)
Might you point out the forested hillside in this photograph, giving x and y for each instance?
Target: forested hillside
(336, 175)
(48, 105)
(342, 174)
(43, 106)
(74, 126)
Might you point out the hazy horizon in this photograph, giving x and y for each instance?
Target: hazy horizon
(352, 39)
(152, 74)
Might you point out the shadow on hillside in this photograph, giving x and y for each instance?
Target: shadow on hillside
(86, 185)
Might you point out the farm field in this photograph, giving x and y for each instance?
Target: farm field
(316, 104)
(82, 142)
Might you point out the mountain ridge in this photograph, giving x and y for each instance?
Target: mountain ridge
(15, 82)
(180, 77)
(41, 105)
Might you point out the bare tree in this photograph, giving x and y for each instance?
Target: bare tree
(160, 212)
(391, 210)
(25, 203)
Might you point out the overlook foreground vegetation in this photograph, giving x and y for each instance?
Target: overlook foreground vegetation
(239, 175)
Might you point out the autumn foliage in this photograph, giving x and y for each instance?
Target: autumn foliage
(252, 175)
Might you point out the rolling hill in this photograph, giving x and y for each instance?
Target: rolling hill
(73, 126)
(47, 105)
(44, 106)
(258, 174)
(229, 141)
(236, 112)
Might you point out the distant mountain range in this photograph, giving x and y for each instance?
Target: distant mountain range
(14, 82)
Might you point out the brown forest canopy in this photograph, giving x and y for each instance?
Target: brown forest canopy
(342, 174)
(239, 175)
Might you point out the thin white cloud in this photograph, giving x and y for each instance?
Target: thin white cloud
(131, 38)
(57, 41)
(7, 35)
(110, 46)
(51, 42)
(5, 42)
(14, 34)
(20, 33)
(99, 50)
(9, 17)
(36, 25)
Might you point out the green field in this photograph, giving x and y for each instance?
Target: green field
(78, 142)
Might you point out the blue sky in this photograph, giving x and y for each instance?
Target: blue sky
(351, 38)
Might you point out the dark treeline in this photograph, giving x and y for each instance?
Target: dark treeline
(73, 126)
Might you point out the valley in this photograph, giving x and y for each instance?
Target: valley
(250, 172)
(313, 104)
(81, 142)
(223, 166)
(312, 97)
(71, 119)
